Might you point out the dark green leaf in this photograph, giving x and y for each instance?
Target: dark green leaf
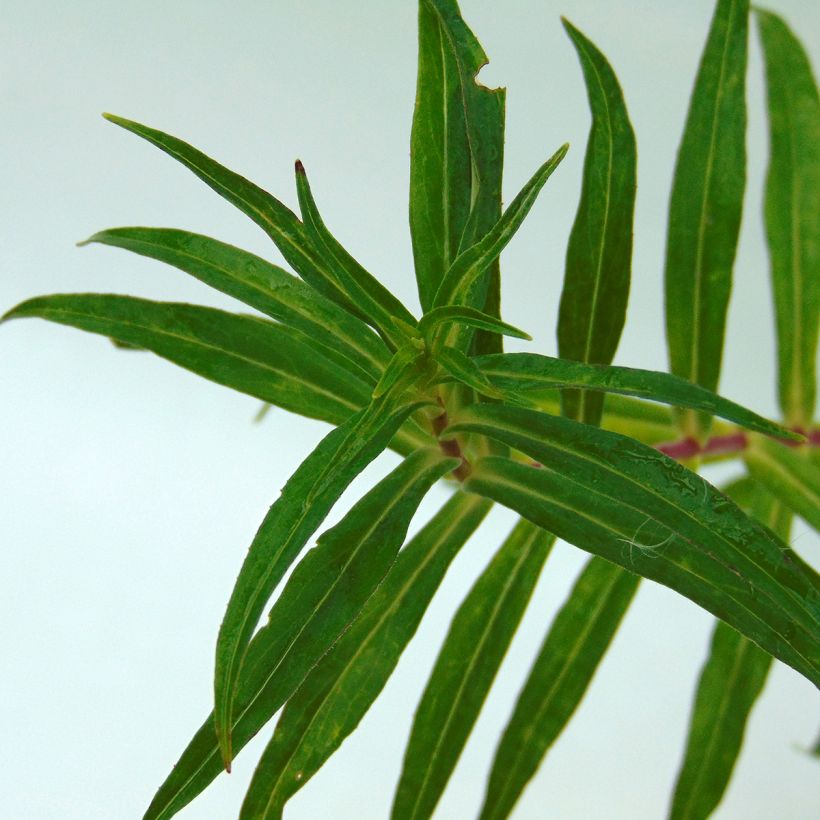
(466, 666)
(793, 214)
(467, 316)
(558, 680)
(323, 595)
(705, 207)
(261, 285)
(463, 369)
(632, 505)
(521, 372)
(342, 686)
(255, 356)
(599, 254)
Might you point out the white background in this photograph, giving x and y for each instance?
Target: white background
(129, 489)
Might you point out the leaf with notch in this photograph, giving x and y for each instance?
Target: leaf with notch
(599, 254)
(463, 369)
(467, 316)
(341, 687)
(632, 505)
(705, 207)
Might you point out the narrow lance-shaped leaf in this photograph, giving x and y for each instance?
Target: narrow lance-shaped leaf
(563, 670)
(342, 686)
(263, 286)
(523, 372)
(255, 356)
(599, 254)
(467, 663)
(399, 366)
(467, 316)
(706, 205)
(730, 683)
(632, 505)
(361, 288)
(463, 369)
(302, 506)
(323, 595)
(793, 214)
(275, 218)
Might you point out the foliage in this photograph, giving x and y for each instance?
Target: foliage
(572, 444)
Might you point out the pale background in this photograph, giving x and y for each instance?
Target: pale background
(129, 489)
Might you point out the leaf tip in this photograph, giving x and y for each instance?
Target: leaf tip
(300, 168)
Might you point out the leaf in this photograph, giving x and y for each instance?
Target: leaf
(788, 475)
(476, 643)
(568, 658)
(456, 287)
(463, 369)
(793, 214)
(257, 357)
(467, 316)
(632, 505)
(705, 207)
(599, 255)
(323, 595)
(260, 285)
(730, 683)
(359, 286)
(302, 506)
(521, 372)
(397, 368)
(342, 686)
(275, 218)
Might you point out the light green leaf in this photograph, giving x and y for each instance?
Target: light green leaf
(574, 646)
(599, 255)
(342, 686)
(261, 285)
(793, 214)
(479, 636)
(360, 287)
(706, 205)
(522, 372)
(399, 366)
(467, 316)
(302, 506)
(463, 369)
(632, 505)
(278, 365)
(323, 595)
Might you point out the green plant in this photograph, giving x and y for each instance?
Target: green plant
(451, 402)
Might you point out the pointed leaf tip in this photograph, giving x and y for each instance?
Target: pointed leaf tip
(300, 168)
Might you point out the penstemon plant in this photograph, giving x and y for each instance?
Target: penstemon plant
(577, 447)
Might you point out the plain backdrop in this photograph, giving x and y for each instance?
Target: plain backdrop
(129, 489)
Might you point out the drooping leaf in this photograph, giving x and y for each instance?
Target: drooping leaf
(632, 505)
(323, 595)
(522, 372)
(463, 369)
(730, 683)
(705, 207)
(302, 506)
(360, 287)
(599, 255)
(467, 316)
(278, 365)
(788, 475)
(263, 286)
(466, 666)
(342, 686)
(793, 214)
(564, 668)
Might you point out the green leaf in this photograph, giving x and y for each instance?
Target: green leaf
(275, 218)
(632, 505)
(467, 316)
(706, 205)
(576, 642)
(261, 285)
(255, 356)
(399, 366)
(521, 372)
(479, 636)
(323, 595)
(342, 686)
(302, 506)
(788, 475)
(360, 287)
(730, 683)
(793, 214)
(465, 271)
(599, 255)
(463, 369)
